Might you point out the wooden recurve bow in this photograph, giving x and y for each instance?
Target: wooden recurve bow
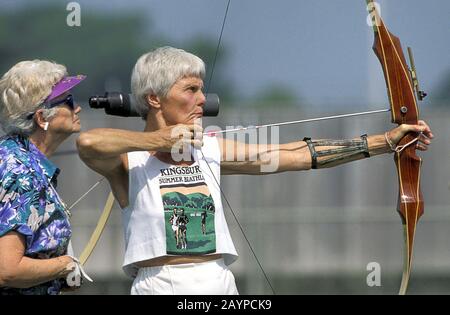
(401, 83)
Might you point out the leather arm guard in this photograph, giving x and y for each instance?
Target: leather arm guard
(346, 150)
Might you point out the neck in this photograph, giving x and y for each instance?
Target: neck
(155, 121)
(46, 142)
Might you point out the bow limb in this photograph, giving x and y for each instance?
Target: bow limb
(101, 223)
(89, 248)
(404, 110)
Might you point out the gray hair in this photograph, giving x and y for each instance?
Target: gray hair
(157, 71)
(23, 89)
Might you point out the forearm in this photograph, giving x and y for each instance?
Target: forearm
(106, 143)
(296, 156)
(254, 159)
(31, 272)
(330, 153)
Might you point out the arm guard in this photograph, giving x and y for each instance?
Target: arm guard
(346, 150)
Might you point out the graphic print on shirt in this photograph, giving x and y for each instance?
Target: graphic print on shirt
(188, 211)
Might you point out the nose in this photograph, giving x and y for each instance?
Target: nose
(202, 99)
(77, 109)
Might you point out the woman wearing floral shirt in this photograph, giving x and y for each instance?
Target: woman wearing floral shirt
(37, 113)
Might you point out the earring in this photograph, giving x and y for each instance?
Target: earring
(46, 126)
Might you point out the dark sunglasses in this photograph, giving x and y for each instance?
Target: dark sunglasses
(68, 101)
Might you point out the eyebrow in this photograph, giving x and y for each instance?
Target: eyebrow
(200, 85)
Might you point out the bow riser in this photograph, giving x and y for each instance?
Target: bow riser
(410, 193)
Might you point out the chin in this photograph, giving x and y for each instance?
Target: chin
(76, 129)
(195, 119)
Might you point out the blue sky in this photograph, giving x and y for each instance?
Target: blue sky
(321, 49)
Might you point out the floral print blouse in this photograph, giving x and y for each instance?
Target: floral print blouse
(30, 205)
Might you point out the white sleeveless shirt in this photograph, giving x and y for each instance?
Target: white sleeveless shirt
(157, 190)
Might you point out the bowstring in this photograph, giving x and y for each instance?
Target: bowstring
(209, 167)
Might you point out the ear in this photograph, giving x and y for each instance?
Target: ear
(153, 101)
(39, 118)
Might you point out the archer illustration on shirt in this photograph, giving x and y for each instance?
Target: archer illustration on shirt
(173, 220)
(189, 212)
(182, 222)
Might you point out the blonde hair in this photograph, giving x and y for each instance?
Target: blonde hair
(23, 89)
(156, 71)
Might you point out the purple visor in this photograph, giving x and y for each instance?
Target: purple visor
(65, 85)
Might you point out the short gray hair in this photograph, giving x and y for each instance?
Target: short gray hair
(23, 89)
(155, 72)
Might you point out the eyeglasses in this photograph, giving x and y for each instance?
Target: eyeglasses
(68, 101)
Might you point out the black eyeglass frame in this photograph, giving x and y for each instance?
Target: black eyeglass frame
(68, 100)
